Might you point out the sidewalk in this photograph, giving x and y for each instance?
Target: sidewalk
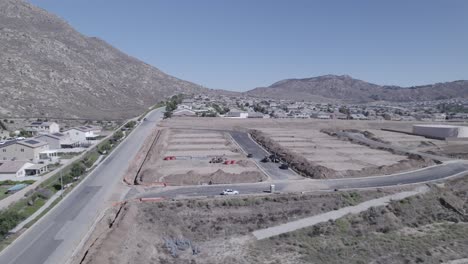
(333, 215)
(38, 212)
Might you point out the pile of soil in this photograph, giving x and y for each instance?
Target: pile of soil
(218, 177)
(299, 163)
(313, 170)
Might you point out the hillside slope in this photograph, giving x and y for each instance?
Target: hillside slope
(348, 89)
(49, 69)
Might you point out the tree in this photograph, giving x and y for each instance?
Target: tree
(130, 124)
(104, 147)
(118, 135)
(167, 114)
(77, 170)
(8, 220)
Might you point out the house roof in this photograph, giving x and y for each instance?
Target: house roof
(40, 123)
(183, 112)
(36, 167)
(54, 136)
(32, 143)
(86, 128)
(8, 143)
(11, 166)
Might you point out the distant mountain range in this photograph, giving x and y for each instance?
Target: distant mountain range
(344, 88)
(49, 69)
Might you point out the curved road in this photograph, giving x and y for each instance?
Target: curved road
(55, 236)
(429, 174)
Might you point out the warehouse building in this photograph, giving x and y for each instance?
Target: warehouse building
(441, 131)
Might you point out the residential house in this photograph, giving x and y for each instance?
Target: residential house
(339, 115)
(10, 170)
(321, 115)
(40, 127)
(58, 141)
(184, 106)
(358, 117)
(83, 134)
(187, 101)
(237, 115)
(184, 112)
(439, 117)
(23, 150)
(254, 115)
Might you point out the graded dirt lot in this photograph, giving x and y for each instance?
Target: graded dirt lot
(219, 230)
(193, 150)
(329, 151)
(315, 154)
(427, 228)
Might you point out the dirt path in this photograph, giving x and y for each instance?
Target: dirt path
(333, 215)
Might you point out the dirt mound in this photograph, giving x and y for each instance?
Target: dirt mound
(298, 162)
(218, 177)
(313, 170)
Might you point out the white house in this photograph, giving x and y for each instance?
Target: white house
(184, 112)
(58, 140)
(10, 170)
(83, 134)
(40, 127)
(23, 150)
(237, 115)
(184, 106)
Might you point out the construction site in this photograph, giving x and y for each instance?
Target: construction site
(197, 157)
(179, 218)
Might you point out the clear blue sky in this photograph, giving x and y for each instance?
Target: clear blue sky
(242, 44)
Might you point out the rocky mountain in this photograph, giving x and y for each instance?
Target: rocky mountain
(49, 69)
(347, 89)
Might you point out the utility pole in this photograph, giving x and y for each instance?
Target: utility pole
(61, 182)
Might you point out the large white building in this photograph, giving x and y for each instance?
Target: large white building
(441, 131)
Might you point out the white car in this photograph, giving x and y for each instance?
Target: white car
(229, 192)
(2, 142)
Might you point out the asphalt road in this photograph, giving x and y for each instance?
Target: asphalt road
(258, 153)
(434, 173)
(55, 237)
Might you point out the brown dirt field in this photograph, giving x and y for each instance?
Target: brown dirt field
(428, 228)
(217, 177)
(329, 159)
(219, 228)
(193, 150)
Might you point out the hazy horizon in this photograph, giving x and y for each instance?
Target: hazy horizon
(240, 45)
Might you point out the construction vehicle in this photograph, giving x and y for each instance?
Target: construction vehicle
(218, 160)
(272, 158)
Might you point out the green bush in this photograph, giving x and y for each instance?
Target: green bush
(130, 124)
(8, 220)
(118, 135)
(77, 170)
(104, 147)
